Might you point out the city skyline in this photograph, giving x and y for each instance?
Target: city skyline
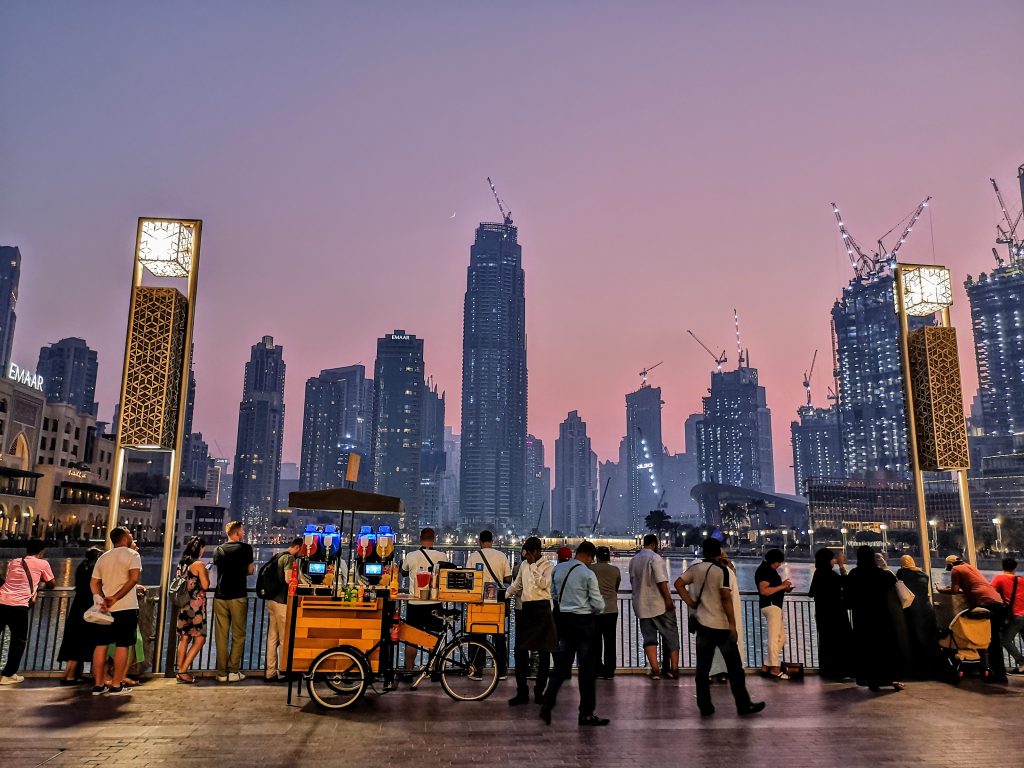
(624, 245)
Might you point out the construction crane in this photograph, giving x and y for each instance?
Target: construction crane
(740, 359)
(807, 377)
(506, 216)
(644, 372)
(719, 359)
(867, 266)
(1008, 236)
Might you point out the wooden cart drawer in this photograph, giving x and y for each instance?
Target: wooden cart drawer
(485, 618)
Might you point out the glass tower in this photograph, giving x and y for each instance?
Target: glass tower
(644, 455)
(68, 368)
(10, 275)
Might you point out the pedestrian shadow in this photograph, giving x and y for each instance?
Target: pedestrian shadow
(78, 710)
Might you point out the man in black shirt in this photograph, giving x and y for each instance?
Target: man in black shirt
(234, 563)
(771, 590)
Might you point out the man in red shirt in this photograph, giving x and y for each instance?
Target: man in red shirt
(1010, 587)
(967, 580)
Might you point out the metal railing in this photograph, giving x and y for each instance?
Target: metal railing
(47, 620)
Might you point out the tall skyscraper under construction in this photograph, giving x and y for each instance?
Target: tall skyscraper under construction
(494, 381)
(817, 447)
(644, 455)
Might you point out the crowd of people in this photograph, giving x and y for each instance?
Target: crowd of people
(874, 626)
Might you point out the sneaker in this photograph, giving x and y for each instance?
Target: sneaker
(654, 674)
(1020, 669)
(11, 679)
(222, 678)
(503, 676)
(99, 690)
(672, 674)
(121, 690)
(235, 677)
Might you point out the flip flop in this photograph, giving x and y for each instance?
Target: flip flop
(780, 676)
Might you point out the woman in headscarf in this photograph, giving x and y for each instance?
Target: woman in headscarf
(871, 593)
(835, 661)
(79, 641)
(922, 630)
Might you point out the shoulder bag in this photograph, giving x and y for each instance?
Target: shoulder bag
(691, 613)
(31, 584)
(904, 593)
(490, 570)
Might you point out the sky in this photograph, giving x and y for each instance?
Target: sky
(665, 163)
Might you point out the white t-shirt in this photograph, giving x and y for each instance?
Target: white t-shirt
(496, 559)
(418, 562)
(112, 569)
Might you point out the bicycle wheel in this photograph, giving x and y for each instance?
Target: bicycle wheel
(338, 677)
(469, 669)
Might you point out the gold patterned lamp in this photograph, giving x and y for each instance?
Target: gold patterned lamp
(167, 247)
(926, 289)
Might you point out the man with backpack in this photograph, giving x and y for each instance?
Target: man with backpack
(272, 586)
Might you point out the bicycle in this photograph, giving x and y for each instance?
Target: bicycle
(465, 666)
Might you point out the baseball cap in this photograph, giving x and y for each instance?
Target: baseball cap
(564, 553)
(952, 560)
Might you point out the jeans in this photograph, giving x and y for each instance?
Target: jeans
(15, 617)
(230, 615)
(1012, 628)
(707, 641)
(576, 637)
(776, 634)
(604, 645)
(277, 631)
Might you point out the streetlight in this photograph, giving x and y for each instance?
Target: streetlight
(885, 538)
(935, 534)
(843, 531)
(785, 535)
(998, 523)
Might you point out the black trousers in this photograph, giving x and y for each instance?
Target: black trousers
(997, 619)
(523, 672)
(604, 646)
(576, 638)
(15, 617)
(707, 641)
(500, 651)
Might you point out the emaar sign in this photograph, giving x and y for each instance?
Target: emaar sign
(24, 376)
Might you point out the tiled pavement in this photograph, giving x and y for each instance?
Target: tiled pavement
(809, 723)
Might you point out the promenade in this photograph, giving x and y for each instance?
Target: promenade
(811, 723)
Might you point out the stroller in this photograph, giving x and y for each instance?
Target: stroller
(965, 645)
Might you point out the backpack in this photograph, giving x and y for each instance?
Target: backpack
(268, 579)
(177, 590)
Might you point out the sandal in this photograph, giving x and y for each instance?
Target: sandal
(184, 678)
(780, 676)
(654, 674)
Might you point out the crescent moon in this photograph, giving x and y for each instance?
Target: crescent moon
(453, 215)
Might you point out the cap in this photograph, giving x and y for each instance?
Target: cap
(952, 560)
(564, 553)
(603, 553)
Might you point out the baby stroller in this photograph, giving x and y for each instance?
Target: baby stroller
(965, 645)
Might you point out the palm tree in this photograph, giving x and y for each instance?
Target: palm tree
(657, 520)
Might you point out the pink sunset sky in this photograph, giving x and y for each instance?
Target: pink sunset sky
(665, 162)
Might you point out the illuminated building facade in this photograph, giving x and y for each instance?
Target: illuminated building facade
(817, 447)
(537, 487)
(644, 455)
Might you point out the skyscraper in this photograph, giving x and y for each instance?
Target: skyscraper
(997, 319)
(10, 275)
(644, 454)
(398, 421)
(817, 447)
(574, 501)
(68, 368)
(432, 454)
(872, 418)
(538, 488)
(257, 468)
(494, 381)
(449, 514)
(734, 436)
(337, 420)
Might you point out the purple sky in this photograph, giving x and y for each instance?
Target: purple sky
(664, 163)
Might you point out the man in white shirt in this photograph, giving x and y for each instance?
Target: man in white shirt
(495, 568)
(114, 577)
(653, 607)
(535, 626)
(420, 613)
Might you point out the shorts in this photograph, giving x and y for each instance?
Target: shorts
(665, 626)
(422, 617)
(122, 632)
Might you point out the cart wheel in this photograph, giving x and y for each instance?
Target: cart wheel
(338, 677)
(469, 669)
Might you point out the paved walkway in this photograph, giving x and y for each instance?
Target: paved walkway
(653, 724)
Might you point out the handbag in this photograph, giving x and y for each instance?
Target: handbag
(691, 615)
(95, 616)
(905, 595)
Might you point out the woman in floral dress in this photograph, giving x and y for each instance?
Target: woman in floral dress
(192, 616)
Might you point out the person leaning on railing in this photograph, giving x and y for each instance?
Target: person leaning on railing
(25, 576)
(772, 590)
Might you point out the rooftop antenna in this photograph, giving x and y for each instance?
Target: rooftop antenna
(506, 216)
(740, 358)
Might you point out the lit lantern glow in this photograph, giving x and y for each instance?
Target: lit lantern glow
(926, 289)
(166, 247)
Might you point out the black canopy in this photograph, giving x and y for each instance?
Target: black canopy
(347, 500)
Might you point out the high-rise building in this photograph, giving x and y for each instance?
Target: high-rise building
(817, 447)
(68, 368)
(398, 422)
(644, 455)
(336, 422)
(997, 319)
(494, 381)
(449, 515)
(538, 488)
(432, 455)
(195, 464)
(574, 501)
(217, 481)
(734, 435)
(872, 417)
(10, 275)
(613, 512)
(257, 468)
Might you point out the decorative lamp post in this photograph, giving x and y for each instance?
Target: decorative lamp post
(934, 524)
(936, 426)
(843, 531)
(885, 538)
(157, 355)
(998, 523)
